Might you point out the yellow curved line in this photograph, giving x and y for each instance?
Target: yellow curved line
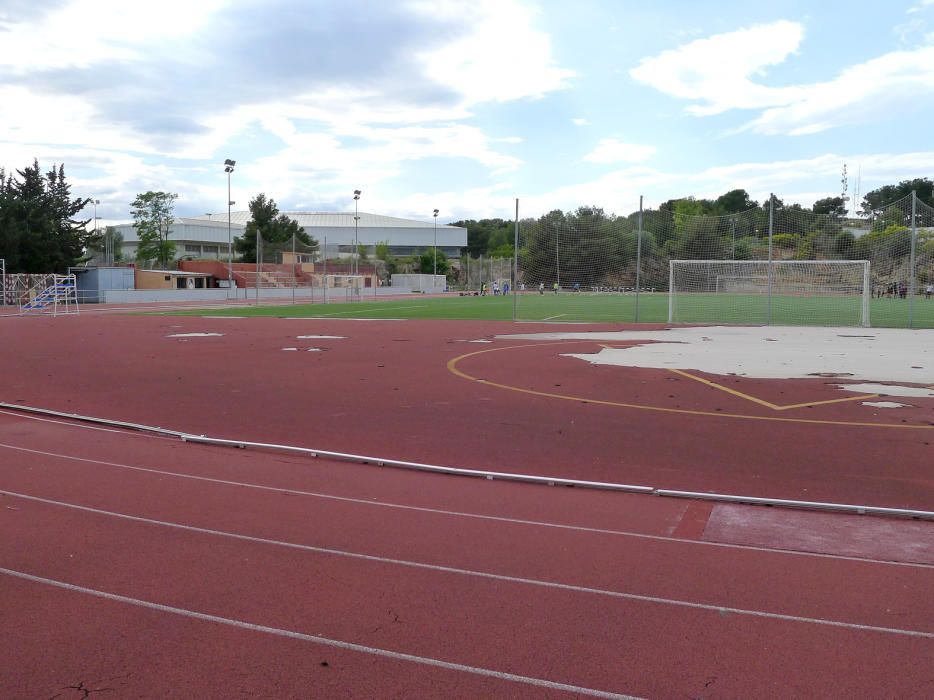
(452, 367)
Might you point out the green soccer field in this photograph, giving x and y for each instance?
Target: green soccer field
(615, 308)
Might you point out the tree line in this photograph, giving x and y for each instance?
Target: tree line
(495, 237)
(40, 230)
(589, 246)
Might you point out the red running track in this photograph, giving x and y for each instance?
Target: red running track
(400, 584)
(385, 389)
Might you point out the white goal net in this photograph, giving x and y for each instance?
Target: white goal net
(781, 292)
(421, 283)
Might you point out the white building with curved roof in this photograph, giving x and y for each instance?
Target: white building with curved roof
(207, 236)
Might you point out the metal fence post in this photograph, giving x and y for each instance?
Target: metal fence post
(911, 258)
(515, 266)
(768, 320)
(639, 259)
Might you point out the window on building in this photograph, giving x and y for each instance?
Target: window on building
(212, 249)
(189, 248)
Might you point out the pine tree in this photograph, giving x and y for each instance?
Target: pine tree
(38, 232)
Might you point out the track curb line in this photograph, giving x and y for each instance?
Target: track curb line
(850, 508)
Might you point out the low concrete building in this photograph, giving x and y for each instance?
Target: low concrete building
(171, 279)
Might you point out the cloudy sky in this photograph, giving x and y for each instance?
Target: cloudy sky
(465, 105)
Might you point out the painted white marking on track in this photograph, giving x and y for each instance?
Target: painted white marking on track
(316, 639)
(476, 516)
(195, 335)
(554, 585)
(337, 318)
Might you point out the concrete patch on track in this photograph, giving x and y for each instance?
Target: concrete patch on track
(886, 404)
(825, 533)
(879, 354)
(918, 392)
(321, 337)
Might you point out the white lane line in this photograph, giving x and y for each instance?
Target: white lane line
(325, 641)
(482, 574)
(473, 516)
(376, 310)
(551, 317)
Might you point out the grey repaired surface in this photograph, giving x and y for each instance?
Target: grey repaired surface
(871, 537)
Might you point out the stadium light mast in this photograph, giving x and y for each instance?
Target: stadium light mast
(229, 168)
(436, 242)
(355, 265)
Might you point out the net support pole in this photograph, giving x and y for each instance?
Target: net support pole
(324, 283)
(557, 256)
(866, 292)
(768, 316)
(294, 272)
(515, 266)
(911, 258)
(639, 259)
(671, 290)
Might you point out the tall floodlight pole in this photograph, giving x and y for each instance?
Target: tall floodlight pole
(436, 243)
(355, 265)
(229, 168)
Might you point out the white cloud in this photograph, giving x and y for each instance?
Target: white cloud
(717, 71)
(919, 6)
(613, 151)
(502, 58)
(857, 95)
(580, 121)
(86, 32)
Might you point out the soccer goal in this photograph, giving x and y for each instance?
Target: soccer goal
(757, 292)
(421, 283)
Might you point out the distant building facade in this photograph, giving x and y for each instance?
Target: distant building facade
(206, 237)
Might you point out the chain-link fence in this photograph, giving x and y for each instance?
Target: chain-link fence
(662, 265)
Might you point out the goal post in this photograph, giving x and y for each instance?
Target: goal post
(759, 292)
